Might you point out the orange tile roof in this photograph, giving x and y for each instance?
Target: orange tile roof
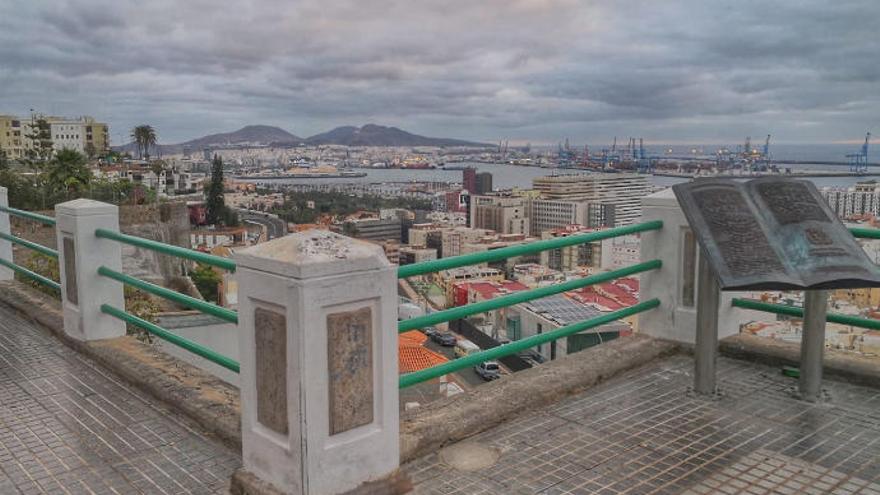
(412, 337)
(416, 357)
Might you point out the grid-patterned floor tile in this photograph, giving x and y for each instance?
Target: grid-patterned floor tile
(644, 432)
(68, 426)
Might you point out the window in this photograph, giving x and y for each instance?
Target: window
(539, 332)
(514, 330)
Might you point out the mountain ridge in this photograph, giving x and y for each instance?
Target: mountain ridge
(366, 135)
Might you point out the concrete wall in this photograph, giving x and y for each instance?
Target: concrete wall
(208, 331)
(675, 319)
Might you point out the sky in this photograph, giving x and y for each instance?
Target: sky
(540, 71)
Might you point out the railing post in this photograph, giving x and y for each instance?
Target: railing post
(5, 246)
(318, 353)
(813, 344)
(80, 254)
(706, 345)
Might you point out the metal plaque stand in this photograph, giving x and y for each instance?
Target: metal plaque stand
(813, 344)
(708, 297)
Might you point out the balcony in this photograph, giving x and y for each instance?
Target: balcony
(316, 406)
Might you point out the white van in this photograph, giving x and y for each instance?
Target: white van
(465, 347)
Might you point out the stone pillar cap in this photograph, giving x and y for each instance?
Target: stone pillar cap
(86, 207)
(313, 253)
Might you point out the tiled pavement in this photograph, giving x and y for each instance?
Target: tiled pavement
(644, 433)
(67, 426)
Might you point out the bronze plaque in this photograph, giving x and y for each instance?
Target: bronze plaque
(773, 233)
(350, 364)
(270, 334)
(70, 271)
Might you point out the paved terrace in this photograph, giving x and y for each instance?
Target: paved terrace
(642, 432)
(67, 426)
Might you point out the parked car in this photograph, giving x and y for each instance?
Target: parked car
(465, 347)
(445, 339)
(430, 331)
(488, 370)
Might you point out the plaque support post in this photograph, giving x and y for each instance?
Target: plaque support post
(813, 344)
(5, 246)
(318, 352)
(80, 254)
(708, 297)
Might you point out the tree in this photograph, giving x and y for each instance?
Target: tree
(207, 281)
(215, 203)
(159, 167)
(40, 136)
(144, 137)
(68, 172)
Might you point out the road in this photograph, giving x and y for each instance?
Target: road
(275, 227)
(467, 376)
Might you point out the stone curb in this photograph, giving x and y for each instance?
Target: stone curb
(209, 401)
(852, 368)
(428, 428)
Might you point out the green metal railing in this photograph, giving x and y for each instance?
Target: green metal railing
(160, 247)
(173, 338)
(31, 275)
(522, 249)
(797, 311)
(30, 245)
(523, 344)
(205, 307)
(863, 233)
(524, 296)
(188, 301)
(29, 215)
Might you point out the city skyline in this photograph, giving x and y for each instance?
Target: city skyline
(538, 71)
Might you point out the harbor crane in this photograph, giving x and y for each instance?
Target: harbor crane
(858, 162)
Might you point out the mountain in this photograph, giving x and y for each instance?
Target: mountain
(262, 134)
(368, 135)
(377, 135)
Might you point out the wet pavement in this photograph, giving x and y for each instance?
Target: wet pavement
(644, 432)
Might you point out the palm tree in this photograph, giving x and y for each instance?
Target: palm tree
(144, 136)
(68, 171)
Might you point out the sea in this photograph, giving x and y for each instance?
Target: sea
(506, 176)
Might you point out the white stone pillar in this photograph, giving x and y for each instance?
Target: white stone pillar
(80, 254)
(5, 246)
(318, 343)
(675, 284)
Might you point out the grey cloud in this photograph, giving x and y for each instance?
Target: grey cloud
(538, 69)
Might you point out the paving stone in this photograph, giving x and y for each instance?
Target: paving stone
(644, 432)
(68, 426)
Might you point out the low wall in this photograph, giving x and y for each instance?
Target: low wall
(850, 367)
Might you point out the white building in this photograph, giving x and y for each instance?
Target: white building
(548, 314)
(623, 192)
(861, 199)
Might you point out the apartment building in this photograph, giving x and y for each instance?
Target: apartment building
(83, 134)
(503, 214)
(861, 199)
(623, 192)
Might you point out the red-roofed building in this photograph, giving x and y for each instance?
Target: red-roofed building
(471, 292)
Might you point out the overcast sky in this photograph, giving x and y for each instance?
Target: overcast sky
(701, 71)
